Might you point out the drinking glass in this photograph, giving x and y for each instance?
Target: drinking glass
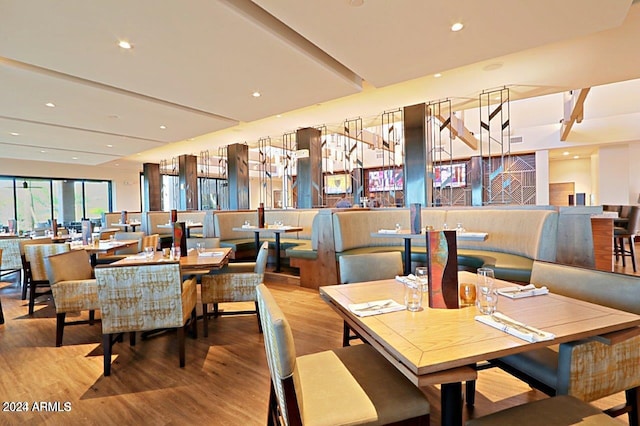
(200, 248)
(422, 277)
(413, 296)
(175, 253)
(467, 294)
(149, 252)
(486, 292)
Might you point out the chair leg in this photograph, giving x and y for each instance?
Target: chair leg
(470, 392)
(59, 328)
(92, 316)
(181, 345)
(258, 315)
(106, 347)
(25, 284)
(132, 338)
(622, 252)
(205, 320)
(1, 314)
(632, 251)
(633, 396)
(345, 334)
(215, 310)
(32, 296)
(272, 417)
(194, 323)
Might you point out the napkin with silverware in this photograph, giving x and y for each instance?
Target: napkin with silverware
(515, 328)
(409, 279)
(517, 292)
(376, 307)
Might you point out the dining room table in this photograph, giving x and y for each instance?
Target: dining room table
(276, 230)
(210, 259)
(125, 226)
(407, 236)
(187, 225)
(107, 247)
(431, 341)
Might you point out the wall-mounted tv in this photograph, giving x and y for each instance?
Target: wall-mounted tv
(450, 175)
(337, 184)
(385, 180)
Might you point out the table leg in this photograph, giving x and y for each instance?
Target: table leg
(451, 404)
(277, 251)
(94, 259)
(407, 256)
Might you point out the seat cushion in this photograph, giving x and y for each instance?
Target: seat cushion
(354, 385)
(556, 411)
(541, 364)
(241, 244)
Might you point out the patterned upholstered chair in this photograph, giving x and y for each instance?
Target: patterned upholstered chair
(26, 275)
(349, 385)
(11, 260)
(73, 286)
(34, 255)
(233, 285)
(367, 267)
(151, 241)
(144, 298)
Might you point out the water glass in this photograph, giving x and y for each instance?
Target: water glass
(149, 252)
(413, 296)
(398, 227)
(486, 292)
(175, 253)
(200, 248)
(422, 277)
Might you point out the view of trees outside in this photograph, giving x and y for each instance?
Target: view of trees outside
(37, 201)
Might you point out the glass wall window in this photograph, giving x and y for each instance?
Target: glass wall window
(34, 202)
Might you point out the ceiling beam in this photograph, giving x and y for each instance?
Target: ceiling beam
(573, 110)
(458, 130)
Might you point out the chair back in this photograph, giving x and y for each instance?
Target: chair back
(209, 242)
(130, 236)
(138, 298)
(634, 221)
(370, 267)
(12, 260)
(261, 260)
(281, 353)
(68, 266)
(35, 255)
(150, 241)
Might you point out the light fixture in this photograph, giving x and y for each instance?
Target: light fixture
(162, 126)
(43, 151)
(565, 153)
(437, 75)
(457, 27)
(50, 104)
(124, 44)
(25, 185)
(74, 158)
(256, 94)
(14, 134)
(575, 157)
(355, 3)
(109, 146)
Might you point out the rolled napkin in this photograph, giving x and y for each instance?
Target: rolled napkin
(248, 226)
(517, 292)
(409, 279)
(387, 231)
(515, 328)
(376, 307)
(210, 253)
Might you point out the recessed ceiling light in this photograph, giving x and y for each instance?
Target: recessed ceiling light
(575, 157)
(457, 26)
(279, 116)
(14, 134)
(125, 44)
(355, 3)
(437, 75)
(109, 146)
(74, 158)
(117, 164)
(256, 94)
(162, 126)
(43, 151)
(565, 153)
(50, 104)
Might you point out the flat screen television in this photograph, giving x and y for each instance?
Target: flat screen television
(450, 175)
(337, 184)
(385, 180)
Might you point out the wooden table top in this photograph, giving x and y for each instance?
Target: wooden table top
(104, 246)
(192, 261)
(272, 228)
(406, 234)
(433, 340)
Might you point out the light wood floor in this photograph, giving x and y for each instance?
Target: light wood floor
(225, 381)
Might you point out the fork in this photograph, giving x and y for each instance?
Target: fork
(522, 327)
(375, 307)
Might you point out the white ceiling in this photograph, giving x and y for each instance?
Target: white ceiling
(194, 66)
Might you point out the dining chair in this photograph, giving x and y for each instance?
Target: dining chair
(367, 267)
(556, 411)
(25, 265)
(73, 287)
(629, 232)
(150, 241)
(234, 285)
(206, 242)
(348, 385)
(34, 256)
(12, 261)
(144, 298)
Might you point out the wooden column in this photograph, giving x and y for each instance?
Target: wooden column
(151, 194)
(602, 231)
(238, 165)
(309, 178)
(188, 180)
(415, 156)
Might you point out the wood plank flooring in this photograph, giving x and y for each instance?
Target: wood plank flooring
(225, 381)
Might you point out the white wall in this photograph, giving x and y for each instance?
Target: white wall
(614, 167)
(573, 170)
(125, 182)
(542, 178)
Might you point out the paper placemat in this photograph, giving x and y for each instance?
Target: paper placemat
(375, 307)
(515, 328)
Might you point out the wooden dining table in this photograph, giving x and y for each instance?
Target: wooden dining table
(435, 341)
(276, 230)
(108, 247)
(210, 259)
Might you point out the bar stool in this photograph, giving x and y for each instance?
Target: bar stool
(619, 234)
